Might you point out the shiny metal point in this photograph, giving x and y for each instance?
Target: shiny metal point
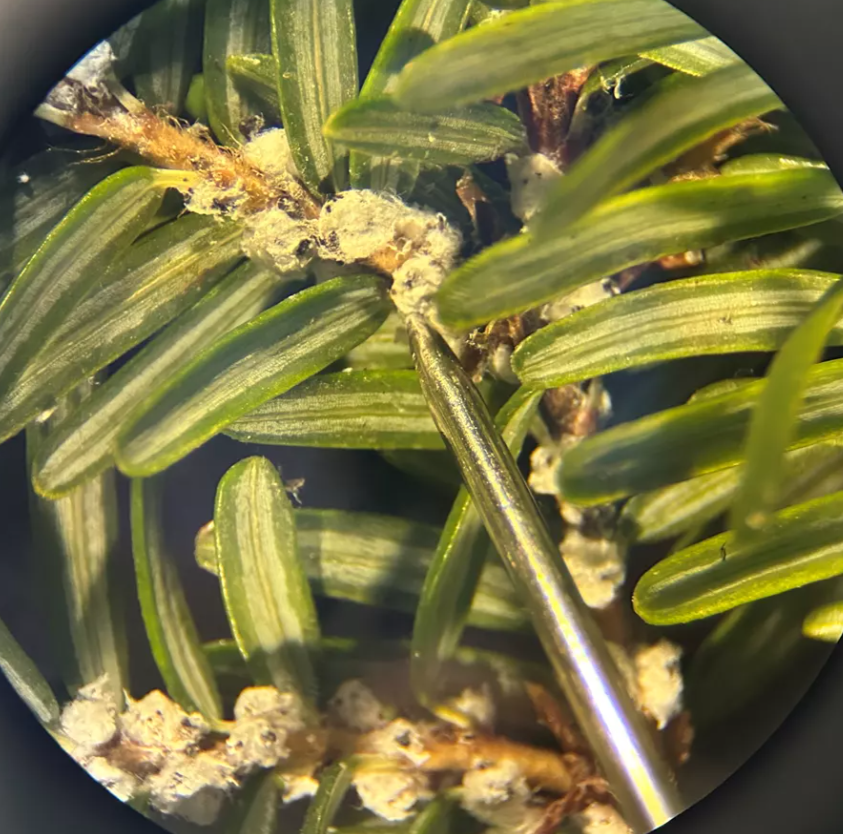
(622, 741)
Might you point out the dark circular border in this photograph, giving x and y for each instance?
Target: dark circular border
(792, 783)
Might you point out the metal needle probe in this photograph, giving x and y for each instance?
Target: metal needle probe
(621, 740)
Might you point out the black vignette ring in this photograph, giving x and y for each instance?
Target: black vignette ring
(41, 788)
(791, 783)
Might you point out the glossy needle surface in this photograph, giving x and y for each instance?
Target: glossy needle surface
(619, 735)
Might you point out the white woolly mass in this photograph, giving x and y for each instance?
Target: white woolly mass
(500, 364)
(391, 794)
(399, 739)
(193, 788)
(659, 678)
(653, 678)
(544, 470)
(264, 718)
(500, 796)
(282, 708)
(276, 240)
(207, 197)
(476, 705)
(597, 818)
(355, 706)
(531, 176)
(268, 232)
(269, 151)
(188, 780)
(357, 225)
(596, 565)
(495, 784)
(353, 227)
(256, 743)
(413, 283)
(158, 723)
(91, 725)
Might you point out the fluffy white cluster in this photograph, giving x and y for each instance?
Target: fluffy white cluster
(498, 795)
(355, 706)
(597, 818)
(353, 227)
(206, 197)
(475, 707)
(530, 176)
(276, 240)
(357, 225)
(654, 678)
(400, 740)
(269, 151)
(263, 719)
(596, 565)
(595, 560)
(545, 462)
(155, 748)
(392, 793)
(393, 786)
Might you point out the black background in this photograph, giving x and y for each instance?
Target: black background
(794, 783)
